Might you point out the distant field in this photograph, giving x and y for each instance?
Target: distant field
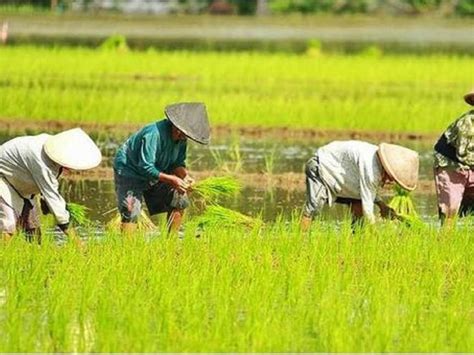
(364, 92)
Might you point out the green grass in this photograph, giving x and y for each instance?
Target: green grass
(363, 92)
(386, 289)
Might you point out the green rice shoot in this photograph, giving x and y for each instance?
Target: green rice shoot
(219, 215)
(78, 214)
(214, 188)
(144, 223)
(404, 207)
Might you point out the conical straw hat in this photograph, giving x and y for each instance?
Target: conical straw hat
(469, 97)
(191, 119)
(401, 164)
(73, 149)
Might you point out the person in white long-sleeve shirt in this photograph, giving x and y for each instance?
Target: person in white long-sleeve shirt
(351, 172)
(31, 165)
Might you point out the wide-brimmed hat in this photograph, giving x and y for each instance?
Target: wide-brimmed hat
(73, 149)
(469, 97)
(400, 163)
(191, 119)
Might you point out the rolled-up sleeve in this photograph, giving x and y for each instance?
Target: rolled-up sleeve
(181, 160)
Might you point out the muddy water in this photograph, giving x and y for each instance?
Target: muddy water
(253, 157)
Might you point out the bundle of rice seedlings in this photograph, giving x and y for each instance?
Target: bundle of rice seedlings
(402, 203)
(78, 214)
(215, 214)
(144, 223)
(212, 188)
(403, 206)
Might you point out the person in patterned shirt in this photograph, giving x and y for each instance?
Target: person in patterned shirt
(454, 166)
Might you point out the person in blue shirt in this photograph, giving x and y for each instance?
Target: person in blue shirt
(151, 165)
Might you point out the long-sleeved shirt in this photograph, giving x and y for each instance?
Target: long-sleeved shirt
(25, 165)
(150, 151)
(351, 169)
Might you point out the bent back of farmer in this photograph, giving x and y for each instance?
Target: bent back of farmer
(454, 166)
(151, 165)
(31, 165)
(351, 173)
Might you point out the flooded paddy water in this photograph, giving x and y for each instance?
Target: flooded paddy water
(271, 171)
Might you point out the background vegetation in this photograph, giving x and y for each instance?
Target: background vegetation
(249, 7)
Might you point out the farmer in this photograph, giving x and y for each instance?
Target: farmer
(31, 165)
(151, 165)
(350, 172)
(454, 166)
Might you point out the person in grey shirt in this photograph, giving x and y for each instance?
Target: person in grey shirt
(351, 172)
(31, 165)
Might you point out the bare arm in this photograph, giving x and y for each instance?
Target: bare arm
(180, 172)
(386, 211)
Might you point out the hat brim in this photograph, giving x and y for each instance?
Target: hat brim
(73, 149)
(191, 119)
(187, 133)
(469, 98)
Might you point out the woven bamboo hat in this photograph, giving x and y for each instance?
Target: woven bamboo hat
(400, 163)
(191, 119)
(73, 149)
(469, 97)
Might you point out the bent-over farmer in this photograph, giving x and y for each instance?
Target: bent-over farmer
(454, 166)
(31, 165)
(151, 165)
(351, 172)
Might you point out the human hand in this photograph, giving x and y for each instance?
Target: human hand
(179, 184)
(74, 237)
(190, 181)
(387, 212)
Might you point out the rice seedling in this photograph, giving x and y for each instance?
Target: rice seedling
(240, 290)
(402, 203)
(404, 207)
(78, 214)
(213, 188)
(144, 223)
(230, 162)
(270, 162)
(219, 215)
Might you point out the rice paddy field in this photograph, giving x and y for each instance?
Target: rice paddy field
(262, 285)
(367, 91)
(271, 289)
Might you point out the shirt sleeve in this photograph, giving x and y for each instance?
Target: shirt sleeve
(147, 156)
(181, 160)
(49, 187)
(368, 190)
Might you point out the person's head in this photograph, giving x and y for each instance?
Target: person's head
(386, 179)
(177, 134)
(400, 165)
(469, 97)
(73, 150)
(189, 119)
